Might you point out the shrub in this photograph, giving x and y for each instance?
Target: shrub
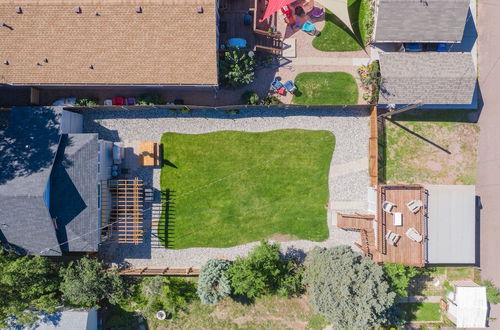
(399, 277)
(87, 102)
(347, 288)
(492, 292)
(214, 284)
(85, 283)
(271, 99)
(264, 272)
(149, 99)
(250, 98)
(237, 68)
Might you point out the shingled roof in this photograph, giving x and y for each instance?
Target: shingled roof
(108, 42)
(420, 20)
(427, 77)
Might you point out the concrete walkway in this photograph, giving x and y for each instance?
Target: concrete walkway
(420, 299)
(488, 177)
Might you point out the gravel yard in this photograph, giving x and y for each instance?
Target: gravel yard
(348, 179)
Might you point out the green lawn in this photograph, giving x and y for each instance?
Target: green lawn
(337, 37)
(325, 88)
(230, 188)
(420, 312)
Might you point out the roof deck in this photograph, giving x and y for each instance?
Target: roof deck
(406, 251)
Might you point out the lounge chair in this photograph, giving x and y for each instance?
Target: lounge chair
(316, 12)
(309, 28)
(290, 87)
(118, 100)
(277, 86)
(392, 238)
(387, 206)
(414, 205)
(414, 235)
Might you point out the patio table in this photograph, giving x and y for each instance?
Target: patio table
(398, 218)
(149, 153)
(237, 43)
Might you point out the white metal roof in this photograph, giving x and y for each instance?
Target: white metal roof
(471, 306)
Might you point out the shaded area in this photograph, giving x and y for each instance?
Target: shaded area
(336, 36)
(166, 226)
(419, 312)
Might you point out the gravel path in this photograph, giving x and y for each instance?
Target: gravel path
(348, 180)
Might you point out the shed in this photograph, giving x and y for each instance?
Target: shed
(467, 305)
(451, 224)
(427, 77)
(420, 21)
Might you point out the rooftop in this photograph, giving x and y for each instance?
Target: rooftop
(420, 21)
(427, 77)
(108, 43)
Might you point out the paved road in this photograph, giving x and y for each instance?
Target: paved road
(488, 183)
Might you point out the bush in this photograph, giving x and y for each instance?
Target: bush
(270, 100)
(149, 99)
(237, 68)
(399, 277)
(348, 288)
(492, 292)
(87, 102)
(250, 98)
(214, 284)
(85, 284)
(264, 272)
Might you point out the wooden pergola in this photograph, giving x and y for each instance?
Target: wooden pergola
(126, 210)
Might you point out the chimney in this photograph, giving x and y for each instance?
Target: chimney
(78, 10)
(138, 9)
(19, 10)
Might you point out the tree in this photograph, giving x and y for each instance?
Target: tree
(347, 288)
(264, 272)
(237, 68)
(399, 277)
(85, 283)
(214, 284)
(28, 285)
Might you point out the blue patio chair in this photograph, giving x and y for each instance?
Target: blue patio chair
(290, 87)
(277, 86)
(309, 28)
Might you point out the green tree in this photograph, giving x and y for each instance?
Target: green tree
(86, 283)
(492, 292)
(264, 272)
(347, 288)
(214, 284)
(399, 277)
(27, 285)
(237, 68)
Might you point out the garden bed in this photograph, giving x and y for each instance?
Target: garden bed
(229, 188)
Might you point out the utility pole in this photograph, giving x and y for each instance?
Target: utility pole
(395, 112)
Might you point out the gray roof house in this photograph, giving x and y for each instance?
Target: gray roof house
(67, 319)
(420, 20)
(48, 183)
(427, 77)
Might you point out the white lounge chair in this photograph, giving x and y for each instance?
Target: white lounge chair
(414, 235)
(414, 205)
(392, 238)
(388, 206)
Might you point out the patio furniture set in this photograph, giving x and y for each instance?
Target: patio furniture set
(298, 14)
(391, 237)
(278, 87)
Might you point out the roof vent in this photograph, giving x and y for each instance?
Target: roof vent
(46, 60)
(78, 10)
(138, 9)
(6, 62)
(97, 14)
(199, 10)
(91, 67)
(38, 64)
(19, 10)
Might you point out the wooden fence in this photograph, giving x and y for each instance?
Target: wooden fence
(167, 271)
(373, 147)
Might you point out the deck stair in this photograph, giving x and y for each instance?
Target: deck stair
(156, 210)
(268, 43)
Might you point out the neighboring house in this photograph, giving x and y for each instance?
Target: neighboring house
(70, 319)
(426, 21)
(50, 182)
(109, 42)
(467, 306)
(428, 78)
(441, 231)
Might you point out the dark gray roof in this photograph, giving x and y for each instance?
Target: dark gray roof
(28, 147)
(427, 77)
(420, 20)
(452, 224)
(74, 192)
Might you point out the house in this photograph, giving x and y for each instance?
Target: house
(425, 21)
(68, 319)
(109, 43)
(50, 182)
(431, 78)
(467, 306)
(417, 225)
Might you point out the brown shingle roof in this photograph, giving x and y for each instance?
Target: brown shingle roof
(169, 43)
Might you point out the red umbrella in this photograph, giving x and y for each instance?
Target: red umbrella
(273, 6)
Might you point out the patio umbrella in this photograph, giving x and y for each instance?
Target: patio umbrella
(273, 6)
(340, 9)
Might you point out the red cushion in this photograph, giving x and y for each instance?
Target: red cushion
(281, 91)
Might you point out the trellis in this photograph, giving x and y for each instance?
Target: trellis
(126, 212)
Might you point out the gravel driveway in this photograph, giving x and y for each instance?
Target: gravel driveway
(348, 179)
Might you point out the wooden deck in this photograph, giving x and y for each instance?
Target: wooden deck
(406, 251)
(167, 271)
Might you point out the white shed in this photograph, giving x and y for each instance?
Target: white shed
(467, 305)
